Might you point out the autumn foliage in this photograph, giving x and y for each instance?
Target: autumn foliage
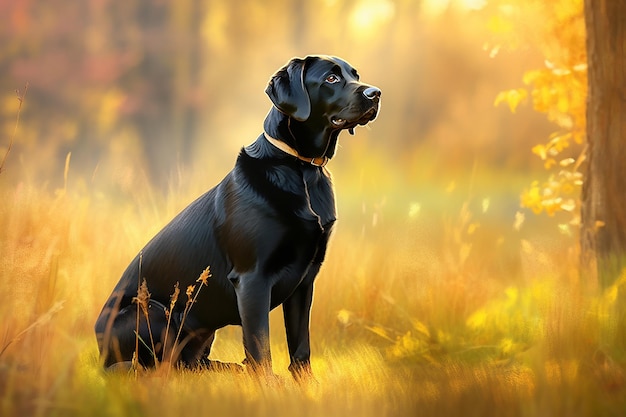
(558, 90)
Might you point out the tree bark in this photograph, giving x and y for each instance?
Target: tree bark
(603, 209)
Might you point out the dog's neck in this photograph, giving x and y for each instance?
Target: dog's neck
(318, 162)
(321, 140)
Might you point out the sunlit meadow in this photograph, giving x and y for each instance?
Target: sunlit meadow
(440, 296)
(438, 299)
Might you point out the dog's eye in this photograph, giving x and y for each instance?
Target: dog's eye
(332, 79)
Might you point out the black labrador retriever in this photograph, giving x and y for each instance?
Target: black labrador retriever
(263, 231)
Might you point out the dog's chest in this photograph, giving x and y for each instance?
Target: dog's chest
(274, 220)
(321, 197)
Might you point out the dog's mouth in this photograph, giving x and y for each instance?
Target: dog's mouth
(338, 121)
(362, 120)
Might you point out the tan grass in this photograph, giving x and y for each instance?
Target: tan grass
(431, 312)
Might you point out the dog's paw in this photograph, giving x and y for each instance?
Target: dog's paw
(123, 367)
(264, 374)
(302, 373)
(217, 366)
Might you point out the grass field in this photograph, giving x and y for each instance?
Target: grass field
(434, 301)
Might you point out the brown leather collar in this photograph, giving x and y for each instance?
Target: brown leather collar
(318, 162)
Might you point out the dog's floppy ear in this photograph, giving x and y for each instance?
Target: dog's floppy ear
(287, 91)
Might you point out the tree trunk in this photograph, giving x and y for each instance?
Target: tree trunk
(603, 213)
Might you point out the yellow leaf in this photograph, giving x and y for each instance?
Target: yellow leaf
(540, 150)
(530, 77)
(559, 141)
(568, 205)
(563, 104)
(565, 229)
(552, 205)
(549, 162)
(512, 97)
(532, 198)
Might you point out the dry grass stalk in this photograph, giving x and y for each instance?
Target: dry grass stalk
(142, 300)
(192, 295)
(20, 97)
(168, 315)
(42, 320)
(143, 303)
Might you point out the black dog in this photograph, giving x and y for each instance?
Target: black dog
(263, 231)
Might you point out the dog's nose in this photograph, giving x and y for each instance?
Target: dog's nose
(372, 93)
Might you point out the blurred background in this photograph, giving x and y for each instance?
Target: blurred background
(150, 93)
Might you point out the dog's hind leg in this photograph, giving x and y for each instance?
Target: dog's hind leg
(124, 336)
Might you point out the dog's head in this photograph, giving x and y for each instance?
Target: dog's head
(323, 91)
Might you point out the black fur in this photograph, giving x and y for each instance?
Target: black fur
(263, 231)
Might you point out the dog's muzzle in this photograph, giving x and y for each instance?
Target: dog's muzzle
(372, 93)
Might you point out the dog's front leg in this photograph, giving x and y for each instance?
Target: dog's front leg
(253, 301)
(296, 311)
